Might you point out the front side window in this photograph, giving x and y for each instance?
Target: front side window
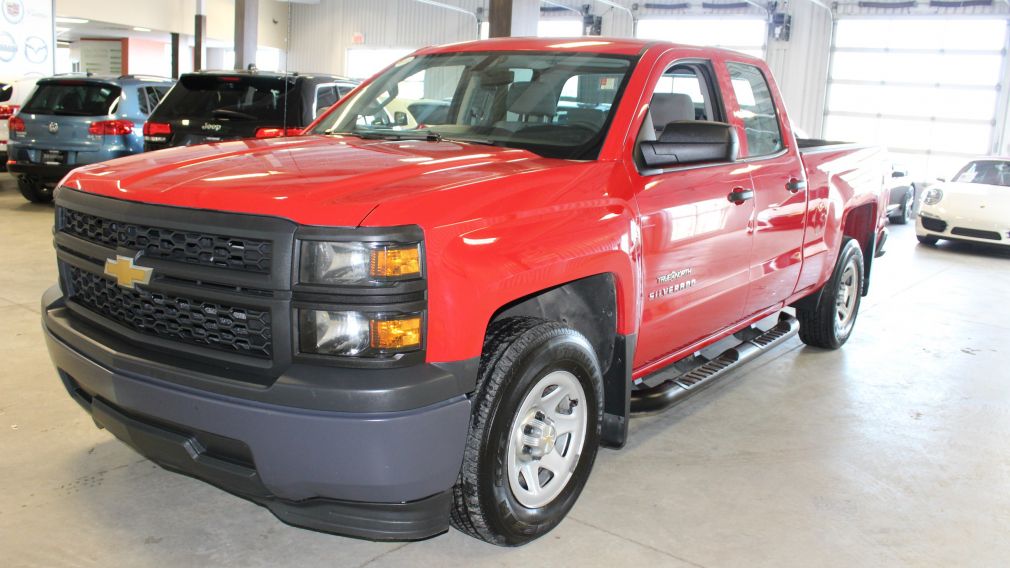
(757, 109)
(557, 105)
(988, 172)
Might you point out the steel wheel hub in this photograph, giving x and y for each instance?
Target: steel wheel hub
(546, 439)
(845, 300)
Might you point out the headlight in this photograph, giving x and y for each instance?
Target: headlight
(933, 196)
(356, 334)
(339, 263)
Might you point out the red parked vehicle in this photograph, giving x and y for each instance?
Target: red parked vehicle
(435, 305)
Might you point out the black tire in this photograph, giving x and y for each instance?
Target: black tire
(820, 325)
(34, 191)
(518, 353)
(927, 240)
(904, 215)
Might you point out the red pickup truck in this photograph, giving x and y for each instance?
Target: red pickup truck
(439, 301)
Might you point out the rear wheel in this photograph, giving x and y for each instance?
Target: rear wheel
(829, 322)
(534, 434)
(33, 190)
(927, 240)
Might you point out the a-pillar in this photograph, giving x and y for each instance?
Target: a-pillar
(513, 18)
(246, 20)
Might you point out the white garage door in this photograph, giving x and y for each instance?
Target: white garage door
(740, 34)
(926, 89)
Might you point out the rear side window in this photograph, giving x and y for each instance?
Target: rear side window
(149, 97)
(757, 109)
(74, 99)
(326, 96)
(228, 97)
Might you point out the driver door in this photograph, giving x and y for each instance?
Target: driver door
(696, 241)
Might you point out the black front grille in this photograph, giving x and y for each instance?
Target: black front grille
(934, 224)
(975, 233)
(237, 253)
(227, 328)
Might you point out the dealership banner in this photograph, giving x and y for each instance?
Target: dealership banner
(27, 41)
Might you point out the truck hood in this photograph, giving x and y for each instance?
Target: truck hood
(312, 180)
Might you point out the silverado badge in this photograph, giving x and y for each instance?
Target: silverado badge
(126, 273)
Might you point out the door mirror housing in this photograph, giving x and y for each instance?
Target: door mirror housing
(400, 118)
(898, 174)
(687, 142)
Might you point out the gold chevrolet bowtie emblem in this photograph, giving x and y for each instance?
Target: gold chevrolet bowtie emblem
(126, 273)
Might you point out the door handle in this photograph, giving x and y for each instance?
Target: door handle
(740, 194)
(794, 185)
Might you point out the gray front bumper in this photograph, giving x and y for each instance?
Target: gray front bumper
(295, 455)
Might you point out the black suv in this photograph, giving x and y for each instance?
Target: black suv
(210, 106)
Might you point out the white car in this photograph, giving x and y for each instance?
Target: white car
(12, 95)
(973, 206)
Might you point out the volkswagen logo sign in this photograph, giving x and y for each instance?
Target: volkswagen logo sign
(8, 47)
(54, 128)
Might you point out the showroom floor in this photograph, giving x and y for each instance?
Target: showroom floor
(892, 451)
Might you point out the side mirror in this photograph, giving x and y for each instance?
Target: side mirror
(898, 174)
(400, 118)
(941, 179)
(691, 142)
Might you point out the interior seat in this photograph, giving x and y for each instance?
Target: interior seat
(664, 109)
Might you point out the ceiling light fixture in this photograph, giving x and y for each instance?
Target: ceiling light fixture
(139, 29)
(62, 20)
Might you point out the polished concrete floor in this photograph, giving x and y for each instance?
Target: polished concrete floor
(890, 452)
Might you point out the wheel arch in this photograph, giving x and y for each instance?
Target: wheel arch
(590, 306)
(860, 223)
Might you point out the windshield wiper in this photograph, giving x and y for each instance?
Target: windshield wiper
(232, 113)
(428, 135)
(481, 141)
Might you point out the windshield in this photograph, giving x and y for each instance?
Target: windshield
(229, 97)
(989, 172)
(74, 98)
(558, 105)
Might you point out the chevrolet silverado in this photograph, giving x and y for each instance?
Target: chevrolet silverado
(381, 327)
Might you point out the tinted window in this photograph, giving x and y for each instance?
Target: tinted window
(149, 97)
(326, 96)
(757, 109)
(230, 98)
(73, 99)
(6, 91)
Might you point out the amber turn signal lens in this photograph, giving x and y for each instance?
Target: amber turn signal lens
(396, 262)
(396, 334)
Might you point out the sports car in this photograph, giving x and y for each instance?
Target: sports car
(973, 206)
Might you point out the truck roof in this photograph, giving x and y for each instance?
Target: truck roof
(584, 44)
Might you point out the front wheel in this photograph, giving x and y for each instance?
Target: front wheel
(534, 433)
(829, 322)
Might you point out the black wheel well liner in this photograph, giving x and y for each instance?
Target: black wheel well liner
(861, 225)
(589, 305)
